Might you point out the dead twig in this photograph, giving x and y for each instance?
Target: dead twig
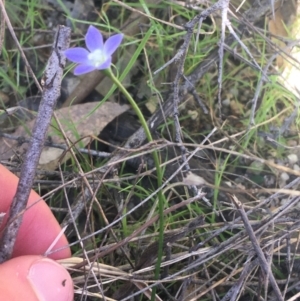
(261, 257)
(51, 91)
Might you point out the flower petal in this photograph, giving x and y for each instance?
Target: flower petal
(77, 55)
(82, 69)
(105, 65)
(93, 39)
(112, 44)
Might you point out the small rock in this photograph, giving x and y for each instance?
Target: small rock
(269, 180)
(226, 102)
(284, 176)
(293, 158)
(282, 179)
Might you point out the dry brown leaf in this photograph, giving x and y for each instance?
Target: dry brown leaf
(79, 121)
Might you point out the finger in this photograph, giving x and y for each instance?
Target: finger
(34, 278)
(39, 227)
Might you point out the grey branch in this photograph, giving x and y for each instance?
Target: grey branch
(51, 91)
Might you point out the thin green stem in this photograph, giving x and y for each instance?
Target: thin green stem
(161, 198)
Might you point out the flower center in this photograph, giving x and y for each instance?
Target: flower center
(97, 57)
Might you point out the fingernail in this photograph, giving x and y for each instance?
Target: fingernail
(50, 281)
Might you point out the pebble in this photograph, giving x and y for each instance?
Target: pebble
(226, 102)
(269, 180)
(293, 158)
(282, 179)
(284, 176)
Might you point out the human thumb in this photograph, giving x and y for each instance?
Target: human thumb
(34, 278)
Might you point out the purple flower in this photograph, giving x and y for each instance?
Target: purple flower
(99, 54)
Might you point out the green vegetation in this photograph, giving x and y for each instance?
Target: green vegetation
(130, 195)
